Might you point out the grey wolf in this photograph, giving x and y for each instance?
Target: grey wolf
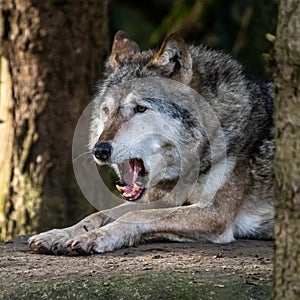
(191, 168)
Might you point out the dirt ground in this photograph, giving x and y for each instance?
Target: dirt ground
(241, 270)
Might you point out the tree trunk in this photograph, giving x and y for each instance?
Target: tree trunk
(287, 157)
(52, 53)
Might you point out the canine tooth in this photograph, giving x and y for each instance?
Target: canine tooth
(136, 187)
(121, 189)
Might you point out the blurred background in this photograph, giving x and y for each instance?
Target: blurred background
(238, 27)
(52, 55)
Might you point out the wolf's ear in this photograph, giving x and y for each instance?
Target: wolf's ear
(123, 47)
(173, 59)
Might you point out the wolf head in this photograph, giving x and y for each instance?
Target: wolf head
(144, 123)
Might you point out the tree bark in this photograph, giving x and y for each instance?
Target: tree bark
(287, 158)
(54, 51)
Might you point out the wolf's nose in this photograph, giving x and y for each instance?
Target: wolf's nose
(102, 151)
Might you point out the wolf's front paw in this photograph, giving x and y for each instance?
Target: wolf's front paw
(49, 242)
(93, 242)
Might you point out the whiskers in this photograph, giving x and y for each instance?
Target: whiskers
(85, 156)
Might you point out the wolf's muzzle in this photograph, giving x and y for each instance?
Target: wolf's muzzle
(102, 151)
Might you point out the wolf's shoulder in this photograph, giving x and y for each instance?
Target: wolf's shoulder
(210, 60)
(215, 69)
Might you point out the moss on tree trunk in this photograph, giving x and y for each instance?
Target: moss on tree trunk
(55, 51)
(287, 158)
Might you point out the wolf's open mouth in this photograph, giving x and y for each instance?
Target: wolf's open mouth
(132, 175)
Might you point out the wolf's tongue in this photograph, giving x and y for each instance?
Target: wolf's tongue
(128, 189)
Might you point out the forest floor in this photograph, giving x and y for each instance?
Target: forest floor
(241, 270)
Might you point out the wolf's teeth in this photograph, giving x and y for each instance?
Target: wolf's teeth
(127, 195)
(136, 187)
(121, 189)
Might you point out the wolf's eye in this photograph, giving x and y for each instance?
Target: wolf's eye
(140, 109)
(106, 110)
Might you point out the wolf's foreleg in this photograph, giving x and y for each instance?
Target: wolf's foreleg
(181, 223)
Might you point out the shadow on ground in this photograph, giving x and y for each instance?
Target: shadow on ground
(241, 270)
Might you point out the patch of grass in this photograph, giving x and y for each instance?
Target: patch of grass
(136, 286)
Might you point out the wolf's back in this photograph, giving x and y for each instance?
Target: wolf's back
(243, 104)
